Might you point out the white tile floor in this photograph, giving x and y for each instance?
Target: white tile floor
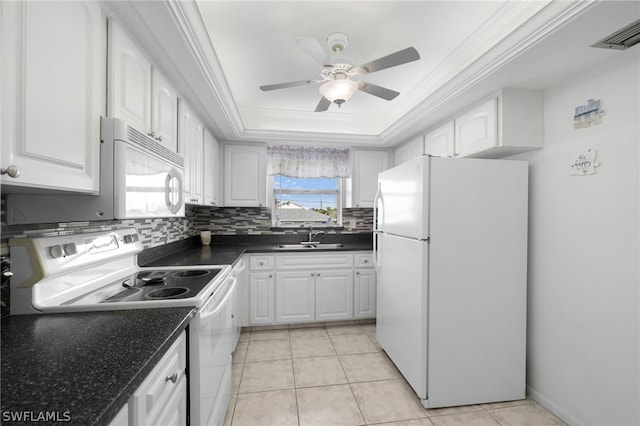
(338, 375)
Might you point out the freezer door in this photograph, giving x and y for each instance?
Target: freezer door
(402, 202)
(401, 323)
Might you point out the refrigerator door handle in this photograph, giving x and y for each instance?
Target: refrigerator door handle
(375, 251)
(377, 199)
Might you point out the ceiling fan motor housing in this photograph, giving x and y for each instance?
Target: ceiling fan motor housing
(337, 42)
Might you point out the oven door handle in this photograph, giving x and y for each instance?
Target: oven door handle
(220, 304)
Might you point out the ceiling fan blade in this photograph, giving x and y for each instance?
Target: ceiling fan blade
(323, 105)
(401, 57)
(314, 49)
(286, 85)
(381, 92)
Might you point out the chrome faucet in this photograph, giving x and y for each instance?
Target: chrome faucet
(312, 235)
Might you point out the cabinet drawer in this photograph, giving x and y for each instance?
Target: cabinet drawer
(261, 263)
(363, 260)
(307, 261)
(163, 381)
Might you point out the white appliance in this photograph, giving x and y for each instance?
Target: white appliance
(139, 178)
(450, 249)
(98, 271)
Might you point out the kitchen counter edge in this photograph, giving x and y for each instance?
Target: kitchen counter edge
(84, 366)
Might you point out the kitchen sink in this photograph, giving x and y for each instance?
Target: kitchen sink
(309, 246)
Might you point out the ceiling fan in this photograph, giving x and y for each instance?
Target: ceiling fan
(337, 85)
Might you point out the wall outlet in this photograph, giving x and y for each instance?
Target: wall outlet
(352, 223)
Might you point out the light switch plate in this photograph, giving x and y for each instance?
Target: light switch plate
(352, 223)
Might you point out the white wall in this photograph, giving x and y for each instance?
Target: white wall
(584, 257)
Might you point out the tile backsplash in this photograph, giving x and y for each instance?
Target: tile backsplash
(158, 231)
(257, 220)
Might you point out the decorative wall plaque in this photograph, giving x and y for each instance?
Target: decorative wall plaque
(584, 164)
(588, 115)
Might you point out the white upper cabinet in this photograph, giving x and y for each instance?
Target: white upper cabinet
(138, 92)
(53, 79)
(245, 175)
(129, 80)
(439, 142)
(164, 111)
(477, 130)
(365, 168)
(408, 151)
(507, 124)
(211, 159)
(191, 147)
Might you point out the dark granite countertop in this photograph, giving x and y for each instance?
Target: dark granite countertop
(227, 249)
(81, 368)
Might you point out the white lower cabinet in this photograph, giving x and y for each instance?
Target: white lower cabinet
(122, 418)
(306, 287)
(295, 296)
(161, 399)
(334, 295)
(364, 293)
(261, 298)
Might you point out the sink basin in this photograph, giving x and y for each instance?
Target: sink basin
(309, 246)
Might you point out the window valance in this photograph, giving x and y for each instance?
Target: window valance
(307, 162)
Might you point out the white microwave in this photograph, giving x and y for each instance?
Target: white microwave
(148, 179)
(139, 178)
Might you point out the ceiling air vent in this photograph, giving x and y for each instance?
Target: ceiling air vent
(621, 39)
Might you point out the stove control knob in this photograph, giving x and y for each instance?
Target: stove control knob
(70, 249)
(56, 251)
(130, 238)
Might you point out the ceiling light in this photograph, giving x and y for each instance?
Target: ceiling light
(339, 91)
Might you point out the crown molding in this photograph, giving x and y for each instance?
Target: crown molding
(466, 67)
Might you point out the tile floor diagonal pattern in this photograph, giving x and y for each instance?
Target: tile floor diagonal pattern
(338, 375)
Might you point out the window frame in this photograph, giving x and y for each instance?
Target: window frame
(271, 190)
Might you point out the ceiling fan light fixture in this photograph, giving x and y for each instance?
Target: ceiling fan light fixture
(338, 91)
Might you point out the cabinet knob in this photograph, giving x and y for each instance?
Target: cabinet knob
(318, 274)
(173, 378)
(313, 275)
(366, 261)
(270, 276)
(12, 171)
(357, 273)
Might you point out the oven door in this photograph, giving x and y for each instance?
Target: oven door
(211, 339)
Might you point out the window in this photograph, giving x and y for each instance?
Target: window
(306, 202)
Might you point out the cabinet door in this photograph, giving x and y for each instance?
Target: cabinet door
(53, 80)
(439, 142)
(164, 111)
(162, 396)
(122, 418)
(261, 298)
(174, 411)
(334, 295)
(191, 146)
(364, 293)
(409, 151)
(295, 296)
(129, 81)
(245, 175)
(366, 166)
(210, 167)
(477, 130)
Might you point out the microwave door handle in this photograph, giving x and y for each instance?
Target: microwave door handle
(170, 189)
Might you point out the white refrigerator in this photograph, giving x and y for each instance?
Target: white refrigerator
(450, 245)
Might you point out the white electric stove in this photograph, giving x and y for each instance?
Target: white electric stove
(99, 271)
